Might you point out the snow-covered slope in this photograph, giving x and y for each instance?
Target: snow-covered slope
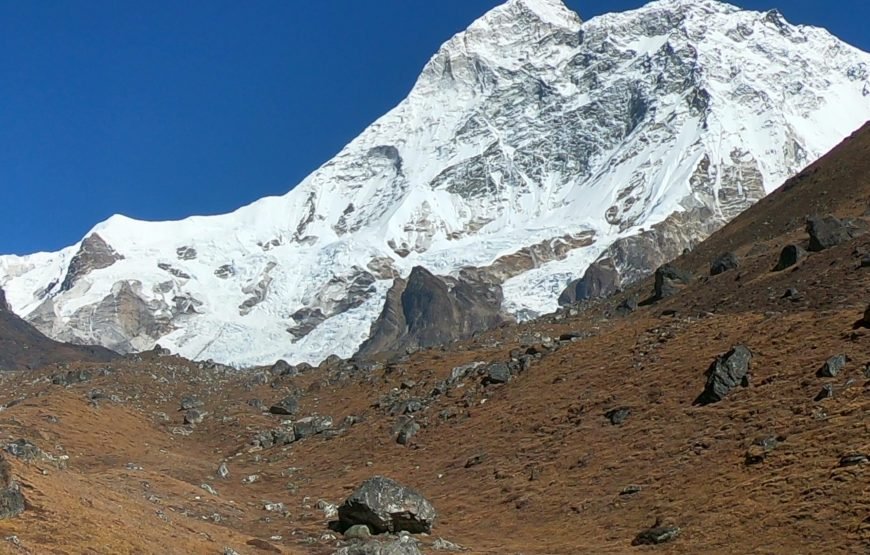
(526, 128)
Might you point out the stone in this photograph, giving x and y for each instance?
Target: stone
(618, 416)
(601, 279)
(724, 263)
(405, 429)
(358, 532)
(387, 506)
(656, 535)
(194, 417)
(190, 402)
(826, 232)
(627, 306)
(287, 406)
(443, 545)
(669, 280)
(222, 471)
(311, 426)
(789, 256)
(25, 450)
(283, 368)
(726, 373)
(827, 392)
(854, 459)
(497, 373)
(11, 500)
(71, 378)
(403, 545)
(832, 367)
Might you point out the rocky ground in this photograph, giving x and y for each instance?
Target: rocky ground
(697, 413)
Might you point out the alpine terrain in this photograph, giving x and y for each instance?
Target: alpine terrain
(532, 147)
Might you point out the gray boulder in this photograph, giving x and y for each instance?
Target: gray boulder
(311, 426)
(826, 232)
(387, 506)
(723, 263)
(11, 499)
(497, 373)
(726, 373)
(669, 280)
(403, 545)
(790, 255)
(832, 367)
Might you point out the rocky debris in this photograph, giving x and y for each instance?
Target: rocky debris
(725, 262)
(727, 372)
(854, 459)
(656, 535)
(827, 392)
(194, 417)
(457, 375)
(405, 429)
(498, 373)
(832, 367)
(189, 402)
(11, 499)
(93, 254)
(790, 255)
(387, 506)
(791, 294)
(600, 280)
(311, 426)
(618, 416)
(185, 253)
(225, 271)
(758, 451)
(71, 378)
(441, 544)
(669, 280)
(287, 406)
(403, 545)
(223, 471)
(25, 450)
(827, 231)
(274, 438)
(208, 488)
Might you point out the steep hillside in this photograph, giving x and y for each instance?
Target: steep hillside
(532, 143)
(573, 433)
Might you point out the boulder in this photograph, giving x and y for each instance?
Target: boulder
(832, 367)
(387, 506)
(723, 263)
(497, 373)
(727, 372)
(627, 306)
(190, 402)
(194, 417)
(618, 416)
(790, 255)
(826, 232)
(288, 406)
(311, 425)
(669, 280)
(405, 429)
(600, 280)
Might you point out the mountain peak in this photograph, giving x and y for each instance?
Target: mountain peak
(550, 11)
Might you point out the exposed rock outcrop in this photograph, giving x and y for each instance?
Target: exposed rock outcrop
(726, 373)
(428, 310)
(93, 254)
(385, 506)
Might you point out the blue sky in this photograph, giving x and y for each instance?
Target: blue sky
(163, 109)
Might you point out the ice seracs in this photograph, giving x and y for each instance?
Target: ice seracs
(531, 145)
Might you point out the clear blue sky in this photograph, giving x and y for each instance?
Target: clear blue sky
(163, 109)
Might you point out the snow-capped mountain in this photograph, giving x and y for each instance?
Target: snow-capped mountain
(530, 144)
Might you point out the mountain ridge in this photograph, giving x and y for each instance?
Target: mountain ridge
(678, 115)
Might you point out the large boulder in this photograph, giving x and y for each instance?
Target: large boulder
(385, 506)
(727, 372)
(723, 263)
(790, 255)
(600, 280)
(827, 231)
(669, 280)
(288, 406)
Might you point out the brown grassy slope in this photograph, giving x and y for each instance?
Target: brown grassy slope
(551, 468)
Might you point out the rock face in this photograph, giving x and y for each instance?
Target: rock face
(531, 138)
(428, 310)
(93, 254)
(725, 374)
(387, 506)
